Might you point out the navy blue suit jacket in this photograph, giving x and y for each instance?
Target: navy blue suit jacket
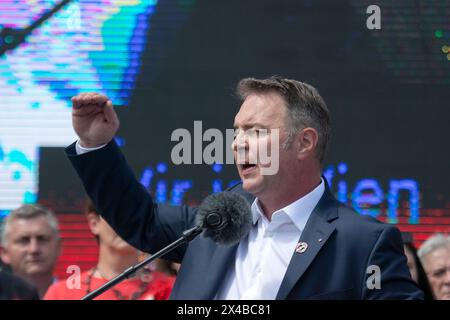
(335, 267)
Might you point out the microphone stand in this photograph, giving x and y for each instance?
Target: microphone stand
(186, 237)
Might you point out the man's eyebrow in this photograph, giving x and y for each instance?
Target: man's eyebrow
(250, 125)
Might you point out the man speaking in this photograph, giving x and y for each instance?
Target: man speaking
(302, 243)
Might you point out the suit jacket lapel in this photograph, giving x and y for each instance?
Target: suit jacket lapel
(317, 232)
(317, 227)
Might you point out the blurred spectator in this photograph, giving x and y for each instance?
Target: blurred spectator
(15, 288)
(115, 255)
(2, 265)
(435, 257)
(415, 266)
(167, 267)
(31, 245)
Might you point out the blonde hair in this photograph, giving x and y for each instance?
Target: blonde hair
(29, 211)
(433, 243)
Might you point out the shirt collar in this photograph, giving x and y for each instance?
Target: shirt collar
(298, 211)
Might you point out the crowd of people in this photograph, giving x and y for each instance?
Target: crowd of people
(30, 246)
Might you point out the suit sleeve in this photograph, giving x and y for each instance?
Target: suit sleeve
(389, 259)
(126, 205)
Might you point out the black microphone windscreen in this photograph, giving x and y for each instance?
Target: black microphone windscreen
(234, 212)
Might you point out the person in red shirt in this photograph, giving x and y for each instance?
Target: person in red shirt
(115, 255)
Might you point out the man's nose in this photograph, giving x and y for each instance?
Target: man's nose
(240, 143)
(33, 246)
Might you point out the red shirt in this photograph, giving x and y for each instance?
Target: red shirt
(156, 286)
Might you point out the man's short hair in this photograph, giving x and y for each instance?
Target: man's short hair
(29, 211)
(433, 243)
(90, 207)
(306, 108)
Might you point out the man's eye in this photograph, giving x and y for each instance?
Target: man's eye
(254, 131)
(262, 132)
(439, 273)
(22, 240)
(43, 239)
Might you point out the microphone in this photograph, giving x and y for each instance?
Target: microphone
(225, 217)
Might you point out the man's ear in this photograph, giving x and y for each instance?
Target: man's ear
(306, 143)
(4, 255)
(93, 222)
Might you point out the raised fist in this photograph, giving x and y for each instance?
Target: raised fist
(94, 119)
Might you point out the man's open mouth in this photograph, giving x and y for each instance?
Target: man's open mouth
(247, 167)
